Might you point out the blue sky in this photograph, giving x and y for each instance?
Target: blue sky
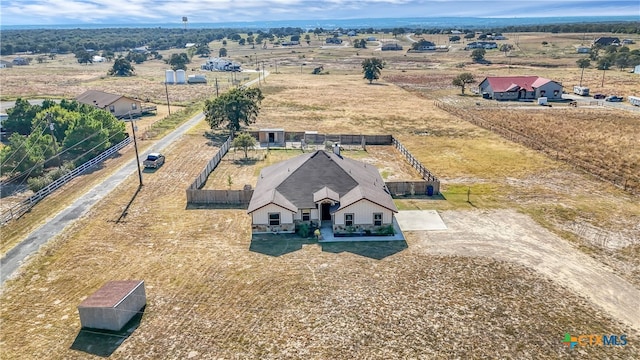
(44, 12)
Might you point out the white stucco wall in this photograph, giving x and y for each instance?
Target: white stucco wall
(363, 213)
(314, 214)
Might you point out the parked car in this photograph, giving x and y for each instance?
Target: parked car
(153, 161)
(613, 98)
(599, 96)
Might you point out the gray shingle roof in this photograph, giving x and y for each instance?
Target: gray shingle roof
(301, 180)
(99, 99)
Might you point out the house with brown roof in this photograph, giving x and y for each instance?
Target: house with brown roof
(321, 188)
(118, 105)
(520, 88)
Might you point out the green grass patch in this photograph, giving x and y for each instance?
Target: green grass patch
(171, 122)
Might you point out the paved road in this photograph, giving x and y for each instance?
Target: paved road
(514, 237)
(17, 256)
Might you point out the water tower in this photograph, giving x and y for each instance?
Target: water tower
(184, 22)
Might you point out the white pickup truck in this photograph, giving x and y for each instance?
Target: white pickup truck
(153, 161)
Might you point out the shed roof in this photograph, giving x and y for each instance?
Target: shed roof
(99, 99)
(111, 293)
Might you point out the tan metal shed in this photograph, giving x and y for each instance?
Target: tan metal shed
(113, 305)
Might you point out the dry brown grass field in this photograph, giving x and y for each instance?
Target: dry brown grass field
(213, 293)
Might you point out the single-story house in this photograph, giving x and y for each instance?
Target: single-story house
(118, 105)
(481, 45)
(321, 188)
(606, 41)
(333, 40)
(636, 69)
(5, 64)
(520, 88)
(425, 46)
(290, 43)
(391, 47)
(20, 61)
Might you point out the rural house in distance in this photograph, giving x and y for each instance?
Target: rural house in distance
(321, 188)
(520, 88)
(118, 105)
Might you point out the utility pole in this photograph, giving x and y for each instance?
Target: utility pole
(264, 79)
(53, 135)
(166, 89)
(216, 87)
(135, 145)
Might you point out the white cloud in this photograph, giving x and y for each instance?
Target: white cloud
(210, 11)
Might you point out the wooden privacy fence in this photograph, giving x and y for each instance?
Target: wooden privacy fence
(25, 205)
(343, 139)
(237, 197)
(211, 165)
(196, 195)
(420, 187)
(424, 172)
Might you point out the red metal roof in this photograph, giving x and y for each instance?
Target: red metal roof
(514, 83)
(111, 293)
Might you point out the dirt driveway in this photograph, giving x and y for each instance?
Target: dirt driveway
(510, 236)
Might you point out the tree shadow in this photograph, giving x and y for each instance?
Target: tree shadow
(216, 139)
(104, 342)
(278, 244)
(372, 249)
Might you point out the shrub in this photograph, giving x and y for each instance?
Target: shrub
(303, 230)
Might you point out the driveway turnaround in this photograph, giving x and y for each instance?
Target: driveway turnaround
(514, 237)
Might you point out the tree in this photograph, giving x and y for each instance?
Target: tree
(360, 44)
(84, 57)
(307, 38)
(371, 68)
(237, 106)
(20, 117)
(469, 35)
(179, 61)
(222, 52)
(454, 38)
(462, 80)
(121, 67)
(505, 48)
(478, 55)
(583, 64)
(244, 141)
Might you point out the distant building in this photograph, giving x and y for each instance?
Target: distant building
(118, 105)
(520, 88)
(391, 47)
(333, 40)
(606, 41)
(290, 43)
(220, 64)
(20, 61)
(481, 45)
(583, 49)
(425, 45)
(636, 69)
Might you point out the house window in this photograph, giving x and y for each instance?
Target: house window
(542, 93)
(556, 92)
(306, 214)
(274, 219)
(348, 219)
(134, 106)
(377, 219)
(112, 108)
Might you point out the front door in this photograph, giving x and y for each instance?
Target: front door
(272, 137)
(325, 214)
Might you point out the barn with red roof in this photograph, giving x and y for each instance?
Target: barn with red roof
(520, 88)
